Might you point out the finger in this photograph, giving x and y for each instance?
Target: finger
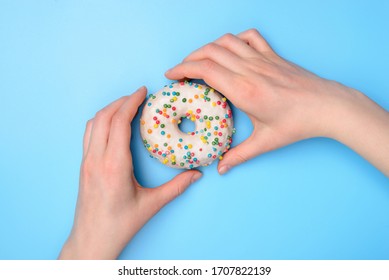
(218, 54)
(255, 40)
(101, 126)
(261, 140)
(87, 135)
(212, 73)
(170, 190)
(120, 133)
(236, 46)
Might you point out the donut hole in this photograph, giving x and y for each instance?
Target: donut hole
(186, 125)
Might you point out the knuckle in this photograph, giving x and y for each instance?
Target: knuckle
(210, 48)
(119, 119)
(101, 115)
(89, 124)
(253, 33)
(208, 65)
(228, 37)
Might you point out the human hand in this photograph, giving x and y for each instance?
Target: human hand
(111, 205)
(285, 102)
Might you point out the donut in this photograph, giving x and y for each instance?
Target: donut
(199, 103)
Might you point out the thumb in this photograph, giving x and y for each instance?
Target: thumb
(170, 190)
(260, 141)
(241, 153)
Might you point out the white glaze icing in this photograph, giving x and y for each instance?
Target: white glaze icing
(199, 103)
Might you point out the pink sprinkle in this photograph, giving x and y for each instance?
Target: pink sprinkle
(198, 111)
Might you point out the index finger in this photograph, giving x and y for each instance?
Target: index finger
(215, 75)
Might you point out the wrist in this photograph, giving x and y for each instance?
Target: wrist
(76, 248)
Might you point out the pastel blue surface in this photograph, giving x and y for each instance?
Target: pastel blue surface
(61, 61)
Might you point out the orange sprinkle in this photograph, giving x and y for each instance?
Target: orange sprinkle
(190, 100)
(168, 136)
(196, 96)
(142, 122)
(149, 131)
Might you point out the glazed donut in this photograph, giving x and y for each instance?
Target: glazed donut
(199, 103)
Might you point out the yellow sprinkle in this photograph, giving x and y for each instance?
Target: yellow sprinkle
(192, 119)
(220, 157)
(224, 99)
(149, 148)
(201, 95)
(165, 160)
(200, 87)
(155, 125)
(190, 146)
(190, 112)
(211, 90)
(213, 104)
(175, 98)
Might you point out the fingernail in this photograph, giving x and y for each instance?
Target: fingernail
(195, 177)
(224, 169)
(141, 88)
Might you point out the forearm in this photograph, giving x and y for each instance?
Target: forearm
(363, 125)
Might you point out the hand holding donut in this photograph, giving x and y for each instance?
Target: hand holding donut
(285, 102)
(111, 205)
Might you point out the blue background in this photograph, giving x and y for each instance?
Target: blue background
(61, 61)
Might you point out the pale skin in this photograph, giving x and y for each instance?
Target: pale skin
(284, 102)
